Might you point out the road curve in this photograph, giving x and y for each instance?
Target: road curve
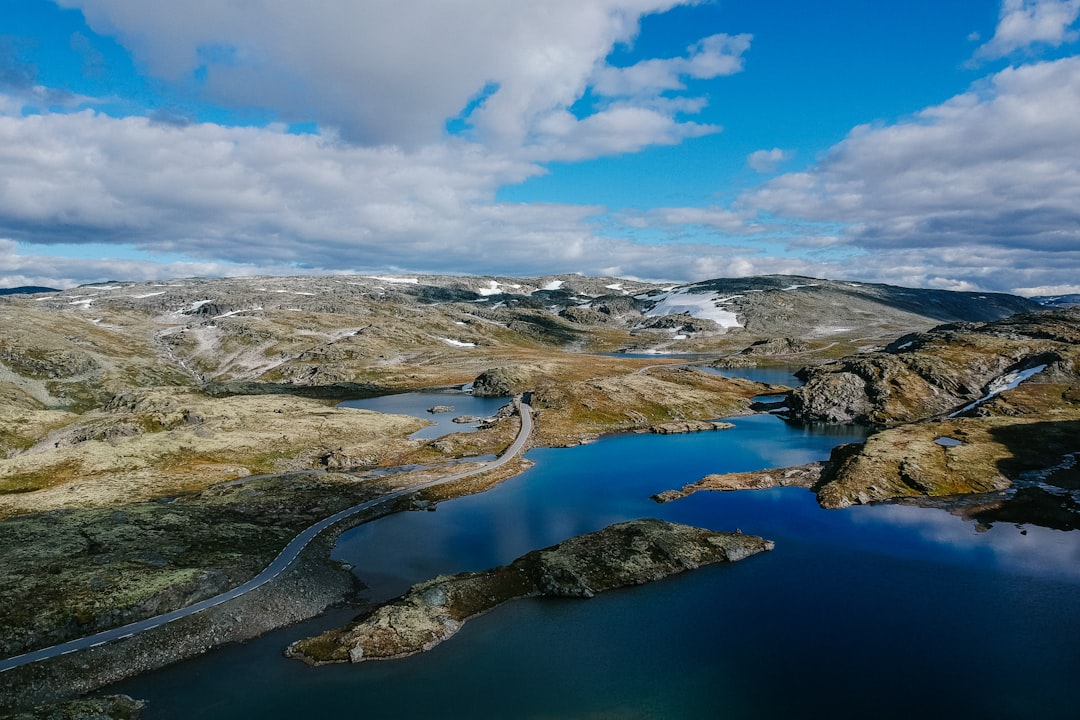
(275, 568)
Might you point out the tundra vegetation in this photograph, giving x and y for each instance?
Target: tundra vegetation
(159, 443)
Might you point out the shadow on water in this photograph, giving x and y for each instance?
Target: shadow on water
(1045, 467)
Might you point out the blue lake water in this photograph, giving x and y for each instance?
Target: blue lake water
(417, 403)
(886, 612)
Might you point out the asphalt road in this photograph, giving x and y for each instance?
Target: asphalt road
(275, 568)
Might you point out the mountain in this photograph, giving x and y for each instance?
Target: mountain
(26, 290)
(1058, 301)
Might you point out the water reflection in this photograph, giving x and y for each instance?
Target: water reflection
(1028, 550)
(417, 404)
(889, 611)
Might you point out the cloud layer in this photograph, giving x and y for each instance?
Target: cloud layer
(393, 71)
(981, 191)
(986, 185)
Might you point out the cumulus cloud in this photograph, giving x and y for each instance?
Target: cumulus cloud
(1024, 23)
(765, 161)
(379, 76)
(247, 200)
(716, 55)
(992, 174)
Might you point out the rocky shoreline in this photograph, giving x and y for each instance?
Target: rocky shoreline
(630, 553)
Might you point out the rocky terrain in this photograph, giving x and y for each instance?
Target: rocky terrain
(110, 707)
(981, 418)
(630, 553)
(957, 368)
(158, 440)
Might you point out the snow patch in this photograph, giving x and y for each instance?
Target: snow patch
(1008, 381)
(196, 305)
(796, 287)
(702, 306)
(140, 297)
(84, 303)
(614, 286)
(236, 312)
(906, 345)
(406, 281)
(553, 285)
(458, 343)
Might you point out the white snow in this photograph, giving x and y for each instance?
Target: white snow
(196, 305)
(84, 303)
(614, 286)
(236, 312)
(140, 297)
(408, 281)
(796, 287)
(553, 285)
(1008, 381)
(679, 337)
(491, 289)
(458, 343)
(460, 323)
(701, 305)
(906, 345)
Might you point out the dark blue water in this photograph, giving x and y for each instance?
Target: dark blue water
(773, 376)
(886, 612)
(417, 403)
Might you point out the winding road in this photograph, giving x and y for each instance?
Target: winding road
(275, 568)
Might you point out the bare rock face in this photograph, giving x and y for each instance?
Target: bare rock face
(501, 382)
(942, 371)
(630, 553)
(777, 346)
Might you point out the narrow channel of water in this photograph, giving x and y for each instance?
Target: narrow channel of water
(878, 611)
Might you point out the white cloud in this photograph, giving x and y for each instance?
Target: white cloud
(393, 71)
(714, 56)
(1026, 22)
(988, 181)
(258, 200)
(765, 161)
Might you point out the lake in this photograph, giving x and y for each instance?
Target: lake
(884, 611)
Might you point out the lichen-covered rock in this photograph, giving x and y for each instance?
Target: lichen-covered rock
(777, 346)
(804, 476)
(630, 553)
(502, 382)
(109, 707)
(942, 371)
(689, 426)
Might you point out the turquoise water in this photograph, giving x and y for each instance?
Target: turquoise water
(884, 612)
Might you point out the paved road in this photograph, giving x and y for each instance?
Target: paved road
(275, 568)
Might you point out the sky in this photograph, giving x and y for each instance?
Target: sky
(912, 142)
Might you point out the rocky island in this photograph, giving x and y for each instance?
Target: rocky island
(160, 443)
(630, 553)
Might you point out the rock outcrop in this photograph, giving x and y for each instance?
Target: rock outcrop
(630, 553)
(502, 382)
(689, 426)
(942, 371)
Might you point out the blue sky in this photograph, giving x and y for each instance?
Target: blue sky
(906, 141)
